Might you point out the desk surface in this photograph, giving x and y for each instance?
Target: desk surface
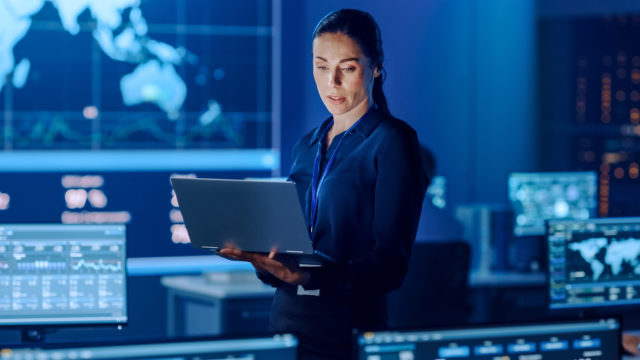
(242, 287)
(506, 279)
(248, 284)
(210, 263)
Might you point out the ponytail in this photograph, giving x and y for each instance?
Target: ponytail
(378, 93)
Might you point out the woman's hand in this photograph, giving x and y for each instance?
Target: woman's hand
(288, 272)
(630, 343)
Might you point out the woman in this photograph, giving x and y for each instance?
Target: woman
(360, 178)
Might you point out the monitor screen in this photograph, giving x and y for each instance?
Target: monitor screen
(587, 339)
(537, 197)
(54, 274)
(277, 347)
(594, 262)
(161, 84)
(167, 86)
(142, 200)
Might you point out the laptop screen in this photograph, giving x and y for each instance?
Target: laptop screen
(588, 339)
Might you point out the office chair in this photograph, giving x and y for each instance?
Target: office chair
(436, 288)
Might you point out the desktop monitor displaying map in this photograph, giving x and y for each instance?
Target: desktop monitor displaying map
(62, 274)
(594, 263)
(537, 197)
(597, 339)
(276, 347)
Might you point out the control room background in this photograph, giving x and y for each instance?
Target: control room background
(89, 132)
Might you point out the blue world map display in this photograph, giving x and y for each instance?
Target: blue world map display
(608, 258)
(621, 256)
(101, 101)
(132, 74)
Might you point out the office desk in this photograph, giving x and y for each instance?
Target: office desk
(200, 306)
(506, 279)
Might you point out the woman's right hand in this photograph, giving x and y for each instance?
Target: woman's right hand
(630, 343)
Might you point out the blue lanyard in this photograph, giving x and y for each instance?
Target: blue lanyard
(316, 183)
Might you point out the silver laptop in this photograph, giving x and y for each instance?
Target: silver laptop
(252, 215)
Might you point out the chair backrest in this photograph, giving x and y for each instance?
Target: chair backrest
(436, 288)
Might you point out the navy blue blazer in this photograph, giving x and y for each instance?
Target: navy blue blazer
(368, 212)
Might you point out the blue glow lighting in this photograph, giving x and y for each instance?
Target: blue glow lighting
(139, 160)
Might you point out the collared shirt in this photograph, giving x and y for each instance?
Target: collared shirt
(369, 204)
(368, 212)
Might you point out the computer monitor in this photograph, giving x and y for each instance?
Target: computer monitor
(537, 197)
(143, 200)
(586, 339)
(594, 262)
(54, 274)
(277, 347)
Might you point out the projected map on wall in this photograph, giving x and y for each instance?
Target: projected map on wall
(154, 76)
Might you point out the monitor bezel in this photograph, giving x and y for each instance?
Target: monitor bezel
(552, 320)
(118, 342)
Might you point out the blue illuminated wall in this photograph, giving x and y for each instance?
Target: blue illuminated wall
(588, 96)
(462, 73)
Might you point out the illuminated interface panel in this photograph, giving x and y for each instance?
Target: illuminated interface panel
(157, 75)
(278, 347)
(142, 200)
(594, 262)
(62, 274)
(537, 197)
(593, 339)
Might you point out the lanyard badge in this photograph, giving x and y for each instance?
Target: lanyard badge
(317, 180)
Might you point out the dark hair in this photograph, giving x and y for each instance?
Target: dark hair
(363, 29)
(428, 163)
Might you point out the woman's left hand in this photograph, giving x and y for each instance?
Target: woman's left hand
(630, 343)
(287, 272)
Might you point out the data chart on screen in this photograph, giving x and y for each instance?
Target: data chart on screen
(62, 274)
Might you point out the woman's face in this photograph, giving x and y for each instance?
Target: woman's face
(343, 75)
